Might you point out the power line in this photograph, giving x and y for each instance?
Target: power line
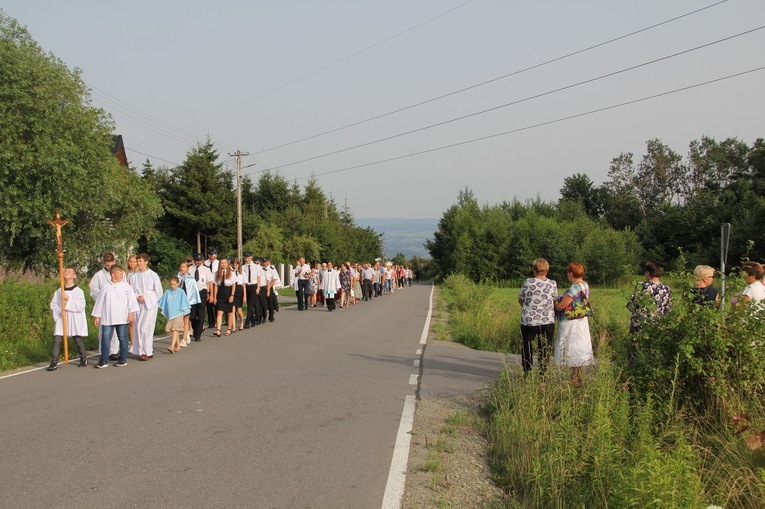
(514, 73)
(320, 69)
(541, 124)
(525, 99)
(149, 155)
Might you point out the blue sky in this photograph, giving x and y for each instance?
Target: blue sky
(254, 75)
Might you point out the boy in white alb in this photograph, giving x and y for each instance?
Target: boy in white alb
(101, 279)
(148, 290)
(73, 307)
(114, 311)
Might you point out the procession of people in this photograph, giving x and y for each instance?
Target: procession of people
(216, 293)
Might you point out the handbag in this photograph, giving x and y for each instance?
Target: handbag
(578, 309)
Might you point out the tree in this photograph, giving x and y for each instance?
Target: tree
(200, 201)
(580, 188)
(56, 154)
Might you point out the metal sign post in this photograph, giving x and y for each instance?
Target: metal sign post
(724, 240)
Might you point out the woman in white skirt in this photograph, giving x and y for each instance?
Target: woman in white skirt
(573, 345)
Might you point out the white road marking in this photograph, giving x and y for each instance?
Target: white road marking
(394, 489)
(417, 363)
(424, 337)
(419, 351)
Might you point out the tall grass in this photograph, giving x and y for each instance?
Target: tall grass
(612, 442)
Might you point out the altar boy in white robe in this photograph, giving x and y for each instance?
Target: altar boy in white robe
(148, 290)
(73, 307)
(100, 280)
(330, 283)
(114, 311)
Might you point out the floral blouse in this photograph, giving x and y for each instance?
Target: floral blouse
(649, 301)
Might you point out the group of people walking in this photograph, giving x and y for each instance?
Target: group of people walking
(351, 283)
(541, 306)
(127, 300)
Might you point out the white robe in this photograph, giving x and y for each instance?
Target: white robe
(76, 321)
(330, 282)
(101, 279)
(115, 302)
(147, 284)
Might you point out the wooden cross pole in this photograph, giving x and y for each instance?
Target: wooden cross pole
(58, 223)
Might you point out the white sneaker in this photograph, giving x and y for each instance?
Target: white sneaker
(184, 344)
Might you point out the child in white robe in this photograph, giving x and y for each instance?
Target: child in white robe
(73, 308)
(148, 289)
(115, 310)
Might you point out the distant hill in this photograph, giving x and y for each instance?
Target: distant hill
(405, 236)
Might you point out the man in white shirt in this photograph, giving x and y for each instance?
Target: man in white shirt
(212, 264)
(302, 273)
(204, 280)
(367, 275)
(250, 274)
(271, 277)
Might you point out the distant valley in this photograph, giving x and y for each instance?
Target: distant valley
(406, 236)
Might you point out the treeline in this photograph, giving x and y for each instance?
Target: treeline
(664, 208)
(55, 154)
(279, 219)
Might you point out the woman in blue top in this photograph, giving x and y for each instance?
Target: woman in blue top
(573, 345)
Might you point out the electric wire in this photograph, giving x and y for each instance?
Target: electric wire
(540, 124)
(498, 78)
(525, 99)
(323, 68)
(149, 155)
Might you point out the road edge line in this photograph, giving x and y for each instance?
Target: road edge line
(394, 488)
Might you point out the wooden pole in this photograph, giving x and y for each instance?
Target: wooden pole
(58, 223)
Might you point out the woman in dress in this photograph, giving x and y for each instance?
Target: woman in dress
(239, 297)
(356, 283)
(223, 296)
(537, 300)
(573, 345)
(313, 284)
(345, 285)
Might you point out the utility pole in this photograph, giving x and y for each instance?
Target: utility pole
(239, 155)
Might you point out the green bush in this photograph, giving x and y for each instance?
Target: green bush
(698, 355)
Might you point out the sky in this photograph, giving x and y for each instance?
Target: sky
(257, 76)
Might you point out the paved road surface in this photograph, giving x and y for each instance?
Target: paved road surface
(301, 413)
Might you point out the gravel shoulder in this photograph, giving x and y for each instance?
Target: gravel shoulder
(447, 465)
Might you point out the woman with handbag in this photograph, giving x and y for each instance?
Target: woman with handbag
(573, 345)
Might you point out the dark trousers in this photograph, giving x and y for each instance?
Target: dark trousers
(252, 297)
(271, 303)
(545, 335)
(302, 293)
(57, 340)
(261, 304)
(378, 290)
(367, 289)
(211, 314)
(197, 315)
(331, 303)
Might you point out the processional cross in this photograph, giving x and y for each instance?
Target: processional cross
(58, 223)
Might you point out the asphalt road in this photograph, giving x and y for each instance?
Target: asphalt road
(300, 413)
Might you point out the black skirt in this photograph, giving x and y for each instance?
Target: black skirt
(239, 296)
(222, 303)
